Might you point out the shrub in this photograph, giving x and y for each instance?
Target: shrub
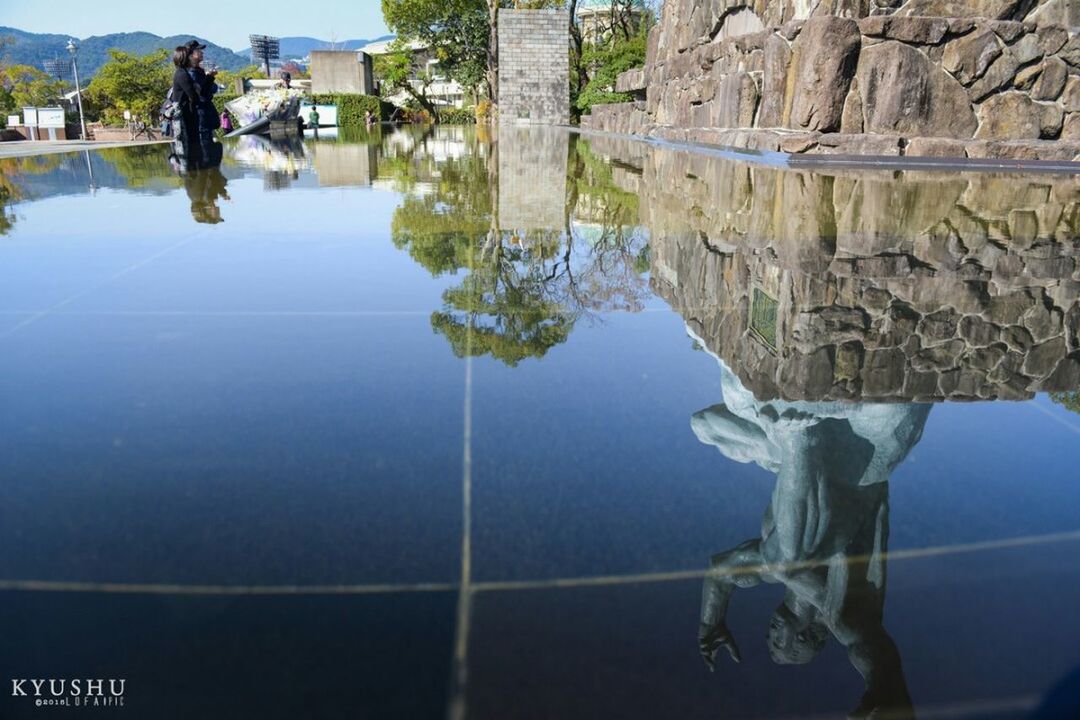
(457, 116)
(607, 63)
(221, 98)
(485, 111)
(351, 107)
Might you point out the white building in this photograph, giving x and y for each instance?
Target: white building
(440, 89)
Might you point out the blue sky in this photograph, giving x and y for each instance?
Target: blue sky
(225, 22)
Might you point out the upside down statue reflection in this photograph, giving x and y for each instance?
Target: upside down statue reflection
(824, 534)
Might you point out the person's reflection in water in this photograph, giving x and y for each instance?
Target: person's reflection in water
(204, 189)
(823, 535)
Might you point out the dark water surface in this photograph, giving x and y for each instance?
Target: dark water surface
(457, 423)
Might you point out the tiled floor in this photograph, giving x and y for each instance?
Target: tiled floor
(247, 476)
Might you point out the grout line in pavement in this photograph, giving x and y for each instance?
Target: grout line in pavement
(513, 585)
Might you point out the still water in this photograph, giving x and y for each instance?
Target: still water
(456, 423)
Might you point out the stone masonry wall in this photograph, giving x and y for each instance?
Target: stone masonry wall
(534, 66)
(994, 78)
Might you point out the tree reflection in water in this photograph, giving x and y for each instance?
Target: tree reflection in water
(529, 279)
(12, 170)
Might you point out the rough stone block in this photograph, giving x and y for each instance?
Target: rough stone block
(824, 59)
(1051, 81)
(903, 92)
(935, 147)
(1015, 116)
(918, 30)
(997, 9)
(968, 57)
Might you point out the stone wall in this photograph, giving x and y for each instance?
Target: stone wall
(341, 71)
(866, 285)
(994, 78)
(534, 66)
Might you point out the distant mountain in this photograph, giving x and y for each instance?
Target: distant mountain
(300, 47)
(35, 48)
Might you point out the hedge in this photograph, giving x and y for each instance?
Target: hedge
(221, 98)
(457, 116)
(352, 107)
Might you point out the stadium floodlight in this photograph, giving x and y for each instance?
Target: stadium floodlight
(57, 68)
(265, 48)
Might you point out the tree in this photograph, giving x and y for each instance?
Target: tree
(130, 82)
(293, 68)
(462, 34)
(27, 86)
(403, 70)
(227, 78)
(607, 61)
(7, 100)
(455, 31)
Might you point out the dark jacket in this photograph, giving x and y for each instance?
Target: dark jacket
(206, 84)
(185, 91)
(205, 110)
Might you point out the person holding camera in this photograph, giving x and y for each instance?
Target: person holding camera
(206, 116)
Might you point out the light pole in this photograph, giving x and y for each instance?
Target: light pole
(265, 48)
(73, 49)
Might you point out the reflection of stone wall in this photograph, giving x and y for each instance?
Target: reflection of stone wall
(341, 164)
(886, 286)
(532, 177)
(534, 66)
(829, 77)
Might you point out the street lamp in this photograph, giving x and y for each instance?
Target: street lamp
(74, 49)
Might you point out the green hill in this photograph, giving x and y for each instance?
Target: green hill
(35, 48)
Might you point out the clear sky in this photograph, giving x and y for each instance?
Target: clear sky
(224, 22)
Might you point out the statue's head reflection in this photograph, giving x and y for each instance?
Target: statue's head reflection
(824, 534)
(796, 635)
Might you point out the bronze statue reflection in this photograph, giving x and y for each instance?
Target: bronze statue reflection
(824, 534)
(204, 189)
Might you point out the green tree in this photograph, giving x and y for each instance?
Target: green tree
(28, 86)
(7, 100)
(607, 60)
(131, 82)
(457, 32)
(403, 70)
(228, 78)
(7, 105)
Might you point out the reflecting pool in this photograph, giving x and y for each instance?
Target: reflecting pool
(462, 423)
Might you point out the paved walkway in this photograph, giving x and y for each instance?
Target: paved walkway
(23, 148)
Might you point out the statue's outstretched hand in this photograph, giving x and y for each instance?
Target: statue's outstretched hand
(711, 638)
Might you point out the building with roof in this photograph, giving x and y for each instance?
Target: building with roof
(428, 76)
